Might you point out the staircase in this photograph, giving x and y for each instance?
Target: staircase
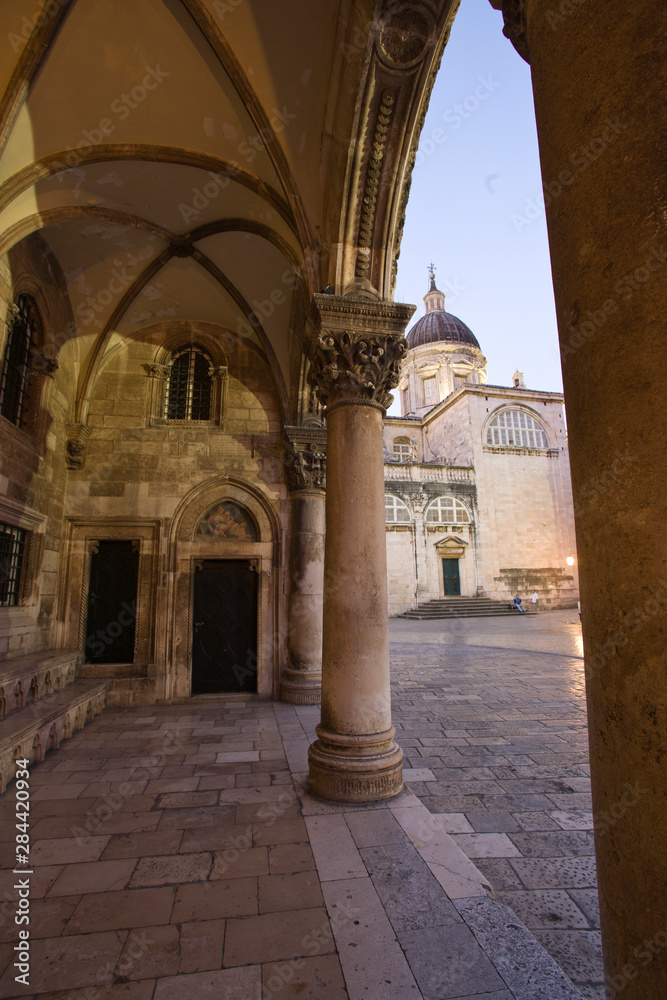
(463, 607)
(42, 703)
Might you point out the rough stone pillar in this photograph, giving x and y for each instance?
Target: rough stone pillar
(598, 80)
(306, 470)
(360, 344)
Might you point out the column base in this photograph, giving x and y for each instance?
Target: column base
(345, 768)
(301, 687)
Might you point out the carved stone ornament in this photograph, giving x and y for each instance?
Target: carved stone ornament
(75, 446)
(157, 371)
(514, 17)
(350, 368)
(405, 34)
(305, 458)
(358, 350)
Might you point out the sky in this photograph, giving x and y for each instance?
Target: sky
(476, 209)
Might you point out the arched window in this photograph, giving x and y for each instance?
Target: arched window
(189, 394)
(21, 336)
(514, 428)
(447, 510)
(395, 511)
(402, 449)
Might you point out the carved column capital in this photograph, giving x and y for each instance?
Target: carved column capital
(514, 17)
(357, 349)
(305, 458)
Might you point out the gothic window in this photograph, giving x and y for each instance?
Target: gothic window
(430, 391)
(189, 392)
(402, 449)
(514, 428)
(21, 336)
(395, 511)
(447, 510)
(12, 550)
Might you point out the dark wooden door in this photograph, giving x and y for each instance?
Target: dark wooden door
(450, 572)
(224, 643)
(112, 602)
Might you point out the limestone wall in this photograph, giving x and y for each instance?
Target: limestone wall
(401, 568)
(33, 473)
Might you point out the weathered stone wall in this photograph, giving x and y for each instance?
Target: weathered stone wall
(401, 568)
(33, 474)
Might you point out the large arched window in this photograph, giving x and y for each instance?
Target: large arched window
(189, 393)
(21, 337)
(395, 510)
(447, 510)
(514, 428)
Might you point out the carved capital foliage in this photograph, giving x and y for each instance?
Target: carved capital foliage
(514, 17)
(305, 458)
(358, 349)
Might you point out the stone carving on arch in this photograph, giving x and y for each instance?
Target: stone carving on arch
(246, 526)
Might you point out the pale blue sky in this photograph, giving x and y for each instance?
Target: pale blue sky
(476, 208)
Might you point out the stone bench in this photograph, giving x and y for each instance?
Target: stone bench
(40, 726)
(28, 678)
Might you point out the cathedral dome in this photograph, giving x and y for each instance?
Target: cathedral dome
(438, 326)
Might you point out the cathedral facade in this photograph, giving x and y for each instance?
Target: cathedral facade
(477, 477)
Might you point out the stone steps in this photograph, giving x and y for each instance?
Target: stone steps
(462, 607)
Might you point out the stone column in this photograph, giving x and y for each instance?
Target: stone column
(598, 81)
(306, 471)
(421, 542)
(359, 346)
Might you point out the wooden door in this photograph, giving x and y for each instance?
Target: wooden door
(224, 642)
(450, 572)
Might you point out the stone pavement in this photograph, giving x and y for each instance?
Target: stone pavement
(175, 853)
(491, 715)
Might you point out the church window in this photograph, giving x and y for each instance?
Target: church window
(12, 549)
(447, 510)
(459, 380)
(514, 428)
(403, 449)
(430, 391)
(395, 511)
(189, 393)
(16, 363)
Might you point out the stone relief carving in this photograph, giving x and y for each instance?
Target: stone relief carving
(373, 172)
(305, 458)
(75, 445)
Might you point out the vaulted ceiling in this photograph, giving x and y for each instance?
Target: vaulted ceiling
(212, 161)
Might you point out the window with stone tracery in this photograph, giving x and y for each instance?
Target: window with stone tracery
(447, 510)
(514, 428)
(189, 393)
(395, 510)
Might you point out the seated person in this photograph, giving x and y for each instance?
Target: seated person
(518, 605)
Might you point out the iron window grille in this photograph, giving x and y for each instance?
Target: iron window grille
(189, 393)
(12, 550)
(16, 362)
